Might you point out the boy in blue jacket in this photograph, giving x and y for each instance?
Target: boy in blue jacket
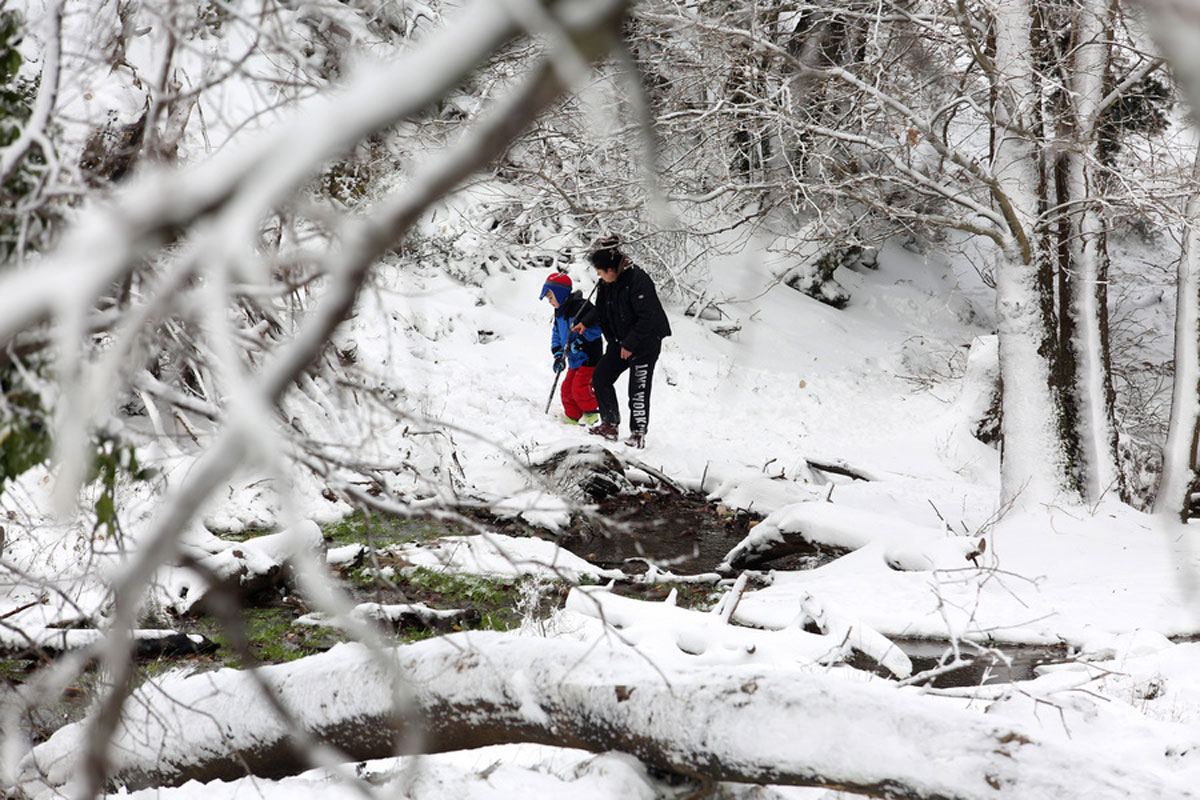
(576, 345)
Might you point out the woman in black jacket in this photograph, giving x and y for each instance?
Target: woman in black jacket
(634, 325)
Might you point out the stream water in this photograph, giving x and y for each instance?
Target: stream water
(682, 533)
(1000, 664)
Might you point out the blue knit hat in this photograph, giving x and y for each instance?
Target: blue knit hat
(560, 284)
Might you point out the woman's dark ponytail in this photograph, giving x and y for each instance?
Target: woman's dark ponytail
(606, 254)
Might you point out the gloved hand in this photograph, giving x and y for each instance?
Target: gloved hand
(560, 361)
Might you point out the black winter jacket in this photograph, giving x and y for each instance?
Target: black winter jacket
(631, 315)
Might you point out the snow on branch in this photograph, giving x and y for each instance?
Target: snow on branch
(35, 131)
(663, 631)
(220, 203)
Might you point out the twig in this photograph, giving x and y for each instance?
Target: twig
(658, 475)
(730, 601)
(25, 607)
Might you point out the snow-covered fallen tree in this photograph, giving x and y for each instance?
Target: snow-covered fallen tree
(244, 567)
(497, 556)
(801, 526)
(665, 630)
(395, 616)
(773, 724)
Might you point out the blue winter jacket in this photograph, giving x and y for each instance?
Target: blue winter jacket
(583, 349)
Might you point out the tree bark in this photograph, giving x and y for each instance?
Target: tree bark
(1085, 285)
(1034, 459)
(1182, 451)
(746, 724)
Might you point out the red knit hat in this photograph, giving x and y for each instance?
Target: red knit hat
(560, 284)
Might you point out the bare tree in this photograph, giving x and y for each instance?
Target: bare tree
(851, 128)
(199, 229)
(1177, 29)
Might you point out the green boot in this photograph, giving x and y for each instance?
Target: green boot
(589, 418)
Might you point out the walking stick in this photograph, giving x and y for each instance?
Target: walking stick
(550, 399)
(570, 325)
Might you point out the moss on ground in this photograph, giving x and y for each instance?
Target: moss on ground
(270, 635)
(12, 672)
(381, 530)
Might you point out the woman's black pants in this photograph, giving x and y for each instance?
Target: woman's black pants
(641, 373)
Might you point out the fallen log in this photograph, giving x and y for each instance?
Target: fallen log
(748, 724)
(53, 642)
(817, 528)
(243, 568)
(713, 639)
(397, 616)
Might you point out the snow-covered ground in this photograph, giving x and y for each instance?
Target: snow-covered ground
(880, 387)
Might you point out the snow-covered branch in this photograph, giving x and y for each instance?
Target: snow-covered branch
(35, 131)
(216, 207)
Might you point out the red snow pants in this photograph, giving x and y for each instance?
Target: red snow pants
(577, 395)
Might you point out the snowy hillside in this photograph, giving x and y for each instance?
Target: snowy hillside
(878, 388)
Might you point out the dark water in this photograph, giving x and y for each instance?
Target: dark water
(985, 668)
(681, 533)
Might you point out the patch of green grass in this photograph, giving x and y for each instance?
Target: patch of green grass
(154, 667)
(243, 535)
(501, 603)
(363, 577)
(454, 587)
(377, 530)
(12, 672)
(499, 620)
(271, 636)
(381, 530)
(409, 635)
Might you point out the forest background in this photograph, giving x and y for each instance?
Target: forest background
(198, 197)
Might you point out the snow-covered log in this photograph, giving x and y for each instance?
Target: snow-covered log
(246, 567)
(53, 642)
(809, 526)
(496, 555)
(765, 725)
(663, 630)
(397, 615)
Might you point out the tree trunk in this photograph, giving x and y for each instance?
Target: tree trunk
(1085, 297)
(746, 724)
(1181, 454)
(1034, 462)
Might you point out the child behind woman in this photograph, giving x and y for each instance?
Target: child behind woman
(576, 345)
